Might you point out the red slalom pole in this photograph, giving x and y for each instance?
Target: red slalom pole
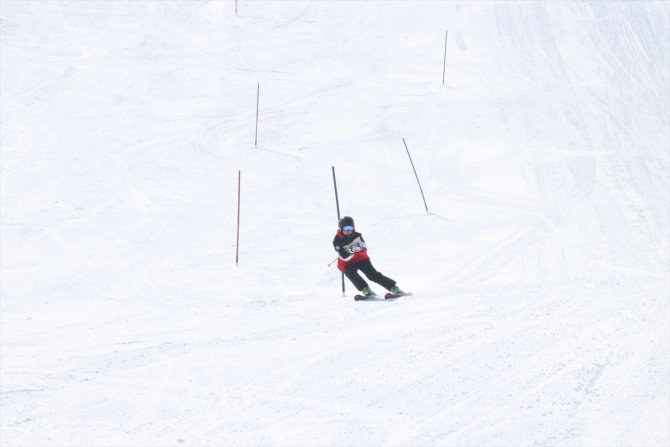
(237, 244)
(258, 99)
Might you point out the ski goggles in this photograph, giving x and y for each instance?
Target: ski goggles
(348, 229)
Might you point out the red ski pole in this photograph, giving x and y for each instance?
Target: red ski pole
(237, 244)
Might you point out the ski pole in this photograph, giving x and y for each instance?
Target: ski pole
(332, 262)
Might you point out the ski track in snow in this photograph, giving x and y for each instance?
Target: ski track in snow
(540, 275)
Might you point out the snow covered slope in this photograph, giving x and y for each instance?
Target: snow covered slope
(541, 273)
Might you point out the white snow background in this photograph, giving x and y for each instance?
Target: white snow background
(540, 275)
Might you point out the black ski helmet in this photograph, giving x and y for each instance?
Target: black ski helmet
(346, 221)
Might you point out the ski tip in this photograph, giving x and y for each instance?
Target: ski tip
(396, 295)
(364, 297)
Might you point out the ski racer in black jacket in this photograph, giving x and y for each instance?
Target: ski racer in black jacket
(353, 252)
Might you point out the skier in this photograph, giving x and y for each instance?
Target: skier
(354, 257)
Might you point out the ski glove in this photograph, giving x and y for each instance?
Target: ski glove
(344, 252)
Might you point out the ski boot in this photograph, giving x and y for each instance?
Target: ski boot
(396, 292)
(366, 292)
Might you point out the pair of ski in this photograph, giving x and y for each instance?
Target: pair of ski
(387, 296)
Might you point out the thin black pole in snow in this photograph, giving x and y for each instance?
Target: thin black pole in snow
(258, 97)
(415, 174)
(337, 200)
(444, 66)
(337, 204)
(237, 244)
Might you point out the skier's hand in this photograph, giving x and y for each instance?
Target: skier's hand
(344, 252)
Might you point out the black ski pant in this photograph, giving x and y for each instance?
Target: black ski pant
(365, 266)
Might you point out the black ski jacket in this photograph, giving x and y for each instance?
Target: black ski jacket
(350, 247)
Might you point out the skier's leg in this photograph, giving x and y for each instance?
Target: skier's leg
(375, 276)
(351, 272)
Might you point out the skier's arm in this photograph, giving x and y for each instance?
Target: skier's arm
(344, 253)
(342, 250)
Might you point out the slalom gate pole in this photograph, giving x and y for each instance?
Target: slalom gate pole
(337, 203)
(444, 67)
(416, 175)
(337, 200)
(258, 97)
(237, 244)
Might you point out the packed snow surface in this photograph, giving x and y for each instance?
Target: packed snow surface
(540, 272)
